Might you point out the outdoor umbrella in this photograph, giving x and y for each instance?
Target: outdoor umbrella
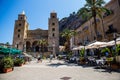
(96, 44)
(15, 51)
(78, 48)
(118, 40)
(8, 51)
(75, 48)
(111, 43)
(81, 47)
(4, 51)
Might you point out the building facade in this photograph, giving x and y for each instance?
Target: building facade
(106, 28)
(27, 40)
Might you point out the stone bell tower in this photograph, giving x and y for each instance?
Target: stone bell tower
(20, 31)
(53, 33)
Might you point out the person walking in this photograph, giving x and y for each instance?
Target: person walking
(39, 59)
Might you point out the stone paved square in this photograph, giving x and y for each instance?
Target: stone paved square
(58, 70)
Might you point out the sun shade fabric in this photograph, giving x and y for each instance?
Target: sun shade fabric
(6, 51)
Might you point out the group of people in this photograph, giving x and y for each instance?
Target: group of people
(39, 59)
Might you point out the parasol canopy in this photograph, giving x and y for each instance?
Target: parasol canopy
(6, 51)
(96, 44)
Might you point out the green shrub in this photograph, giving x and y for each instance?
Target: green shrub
(7, 62)
(82, 52)
(105, 50)
(117, 49)
(18, 61)
(69, 54)
(110, 59)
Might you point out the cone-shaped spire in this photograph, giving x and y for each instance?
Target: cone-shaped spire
(23, 12)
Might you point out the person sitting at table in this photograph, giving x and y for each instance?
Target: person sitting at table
(106, 54)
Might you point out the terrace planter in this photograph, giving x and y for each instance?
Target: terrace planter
(117, 59)
(114, 66)
(82, 62)
(18, 62)
(7, 64)
(6, 70)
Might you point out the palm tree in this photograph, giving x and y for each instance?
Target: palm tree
(92, 8)
(42, 43)
(67, 34)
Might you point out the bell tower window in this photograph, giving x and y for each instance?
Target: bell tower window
(21, 18)
(19, 24)
(18, 35)
(53, 34)
(19, 30)
(17, 45)
(53, 16)
(53, 24)
(53, 29)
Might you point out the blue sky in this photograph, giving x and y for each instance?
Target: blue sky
(37, 12)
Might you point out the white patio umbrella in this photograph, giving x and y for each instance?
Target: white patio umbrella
(96, 44)
(118, 42)
(118, 39)
(90, 47)
(80, 47)
(111, 43)
(75, 48)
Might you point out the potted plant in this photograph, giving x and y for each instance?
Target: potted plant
(82, 59)
(7, 64)
(19, 62)
(117, 57)
(109, 60)
(114, 64)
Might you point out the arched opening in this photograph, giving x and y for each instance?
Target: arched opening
(35, 46)
(28, 48)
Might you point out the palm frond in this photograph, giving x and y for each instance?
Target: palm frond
(100, 3)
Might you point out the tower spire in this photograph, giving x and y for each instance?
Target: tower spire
(23, 12)
(53, 11)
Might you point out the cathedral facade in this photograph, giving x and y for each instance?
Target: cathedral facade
(28, 40)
